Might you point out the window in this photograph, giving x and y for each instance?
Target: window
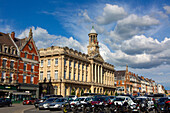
(64, 74)
(4, 63)
(32, 78)
(78, 76)
(49, 62)
(41, 63)
(32, 67)
(33, 57)
(3, 76)
(86, 77)
(70, 75)
(24, 78)
(82, 66)
(5, 50)
(123, 82)
(25, 54)
(41, 75)
(13, 51)
(78, 65)
(82, 76)
(8, 50)
(11, 76)
(56, 74)
(48, 75)
(74, 64)
(56, 61)
(25, 66)
(12, 64)
(74, 76)
(64, 62)
(69, 63)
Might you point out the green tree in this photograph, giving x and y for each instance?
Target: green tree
(90, 91)
(73, 91)
(82, 91)
(116, 93)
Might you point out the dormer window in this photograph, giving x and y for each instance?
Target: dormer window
(5, 50)
(13, 51)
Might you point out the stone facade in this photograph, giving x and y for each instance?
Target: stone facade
(65, 71)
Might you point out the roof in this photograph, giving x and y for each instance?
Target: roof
(19, 42)
(93, 30)
(120, 73)
(5, 39)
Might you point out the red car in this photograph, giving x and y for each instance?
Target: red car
(30, 101)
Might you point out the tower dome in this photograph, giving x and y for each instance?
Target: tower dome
(93, 30)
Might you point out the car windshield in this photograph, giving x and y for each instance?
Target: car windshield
(60, 100)
(98, 99)
(119, 99)
(79, 99)
(45, 97)
(50, 100)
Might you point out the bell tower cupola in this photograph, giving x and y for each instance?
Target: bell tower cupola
(93, 47)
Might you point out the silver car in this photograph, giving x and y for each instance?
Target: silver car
(57, 104)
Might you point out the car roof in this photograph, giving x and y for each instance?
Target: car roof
(142, 97)
(122, 97)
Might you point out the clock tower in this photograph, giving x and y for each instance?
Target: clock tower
(93, 47)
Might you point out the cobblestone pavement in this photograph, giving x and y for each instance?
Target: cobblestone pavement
(15, 108)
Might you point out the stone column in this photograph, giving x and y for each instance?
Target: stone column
(98, 74)
(95, 73)
(92, 74)
(80, 71)
(101, 75)
(72, 70)
(67, 69)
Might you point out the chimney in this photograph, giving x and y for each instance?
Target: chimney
(13, 35)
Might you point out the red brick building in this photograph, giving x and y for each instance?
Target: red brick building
(27, 64)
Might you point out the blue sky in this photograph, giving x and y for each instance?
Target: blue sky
(134, 32)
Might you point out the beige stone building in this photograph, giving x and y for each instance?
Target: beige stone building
(68, 71)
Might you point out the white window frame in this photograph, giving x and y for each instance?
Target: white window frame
(56, 61)
(41, 75)
(56, 74)
(48, 75)
(42, 61)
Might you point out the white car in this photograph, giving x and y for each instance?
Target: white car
(149, 100)
(120, 100)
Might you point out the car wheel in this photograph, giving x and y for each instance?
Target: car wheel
(9, 105)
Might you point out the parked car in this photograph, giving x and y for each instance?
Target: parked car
(5, 102)
(45, 104)
(112, 98)
(120, 100)
(72, 97)
(30, 101)
(161, 103)
(57, 104)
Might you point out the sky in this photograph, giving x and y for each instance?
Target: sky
(130, 32)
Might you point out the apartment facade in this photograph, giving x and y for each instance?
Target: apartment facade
(130, 83)
(19, 65)
(65, 71)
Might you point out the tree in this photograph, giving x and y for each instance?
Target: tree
(106, 93)
(72, 91)
(90, 91)
(82, 92)
(116, 93)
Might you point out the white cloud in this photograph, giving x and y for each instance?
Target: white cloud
(85, 16)
(131, 26)
(43, 39)
(111, 14)
(167, 9)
